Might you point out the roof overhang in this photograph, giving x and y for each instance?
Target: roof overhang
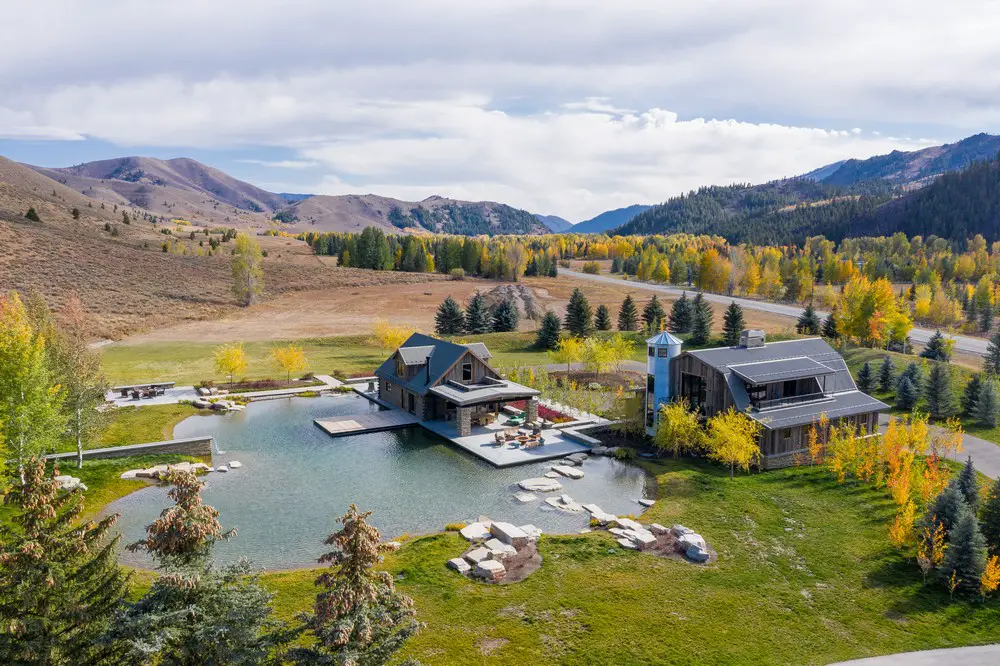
(476, 394)
(780, 370)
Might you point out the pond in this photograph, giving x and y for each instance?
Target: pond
(296, 480)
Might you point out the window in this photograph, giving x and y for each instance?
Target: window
(651, 350)
(467, 371)
(863, 423)
(400, 368)
(662, 352)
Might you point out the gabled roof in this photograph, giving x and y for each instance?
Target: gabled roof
(439, 355)
(479, 349)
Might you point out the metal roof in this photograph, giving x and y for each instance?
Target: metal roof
(479, 393)
(664, 338)
(479, 349)
(779, 370)
(415, 355)
(442, 356)
(835, 406)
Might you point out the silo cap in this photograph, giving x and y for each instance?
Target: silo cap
(664, 338)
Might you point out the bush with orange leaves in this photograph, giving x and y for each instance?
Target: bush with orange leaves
(991, 577)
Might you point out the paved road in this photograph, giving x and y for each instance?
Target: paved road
(922, 335)
(980, 655)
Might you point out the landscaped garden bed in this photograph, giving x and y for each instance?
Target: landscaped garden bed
(544, 412)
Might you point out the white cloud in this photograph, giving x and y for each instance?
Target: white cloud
(564, 106)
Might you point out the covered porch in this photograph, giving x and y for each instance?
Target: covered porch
(481, 441)
(466, 405)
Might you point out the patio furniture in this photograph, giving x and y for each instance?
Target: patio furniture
(498, 439)
(516, 420)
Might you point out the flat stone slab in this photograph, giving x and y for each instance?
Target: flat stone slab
(680, 530)
(524, 497)
(459, 565)
(627, 543)
(577, 458)
(221, 468)
(499, 550)
(557, 502)
(509, 534)
(477, 555)
(630, 524)
(697, 554)
(570, 472)
(475, 532)
(235, 464)
(592, 508)
(540, 485)
(532, 531)
(645, 540)
(658, 529)
(605, 518)
(692, 539)
(647, 502)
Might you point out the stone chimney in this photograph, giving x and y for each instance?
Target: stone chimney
(751, 338)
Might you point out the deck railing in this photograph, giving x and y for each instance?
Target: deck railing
(774, 403)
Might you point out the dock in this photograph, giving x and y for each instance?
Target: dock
(357, 424)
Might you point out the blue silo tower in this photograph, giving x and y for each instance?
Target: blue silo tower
(661, 350)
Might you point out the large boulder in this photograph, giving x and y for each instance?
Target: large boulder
(509, 534)
(658, 529)
(540, 485)
(490, 570)
(697, 554)
(680, 530)
(67, 482)
(475, 532)
(691, 539)
(645, 540)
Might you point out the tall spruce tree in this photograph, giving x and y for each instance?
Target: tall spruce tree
(701, 325)
(830, 327)
(866, 378)
(233, 610)
(808, 322)
(60, 581)
(732, 324)
(970, 396)
(886, 374)
(906, 395)
(680, 315)
(477, 315)
(359, 617)
(505, 316)
(990, 518)
(987, 411)
(548, 331)
(653, 314)
(915, 373)
(965, 556)
(937, 348)
(986, 317)
(628, 315)
(602, 320)
(449, 320)
(579, 319)
(991, 359)
(968, 484)
(942, 403)
(946, 508)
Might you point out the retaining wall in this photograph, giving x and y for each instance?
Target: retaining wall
(189, 446)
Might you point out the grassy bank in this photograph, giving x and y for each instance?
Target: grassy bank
(137, 425)
(806, 574)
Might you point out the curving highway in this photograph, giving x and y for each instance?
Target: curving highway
(922, 335)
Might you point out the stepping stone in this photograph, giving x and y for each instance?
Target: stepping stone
(566, 499)
(599, 450)
(459, 565)
(647, 502)
(235, 464)
(221, 468)
(540, 485)
(577, 458)
(509, 534)
(475, 532)
(532, 532)
(605, 518)
(627, 544)
(477, 555)
(525, 497)
(552, 475)
(571, 472)
(592, 508)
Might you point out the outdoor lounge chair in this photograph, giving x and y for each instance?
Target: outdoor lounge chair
(516, 420)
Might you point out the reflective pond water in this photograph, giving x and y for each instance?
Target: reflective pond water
(295, 480)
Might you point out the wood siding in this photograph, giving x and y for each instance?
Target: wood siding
(479, 370)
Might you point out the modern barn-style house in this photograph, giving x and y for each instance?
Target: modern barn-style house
(785, 386)
(439, 380)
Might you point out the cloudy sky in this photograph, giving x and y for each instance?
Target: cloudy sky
(560, 107)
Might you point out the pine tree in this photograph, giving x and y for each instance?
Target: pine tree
(32, 215)
(75, 213)
(232, 608)
(990, 518)
(968, 484)
(653, 314)
(579, 315)
(906, 395)
(548, 331)
(701, 309)
(866, 378)
(915, 374)
(991, 359)
(602, 320)
(987, 411)
(60, 579)
(986, 317)
(628, 315)
(886, 374)
(505, 316)
(680, 315)
(830, 327)
(942, 403)
(947, 507)
(971, 394)
(808, 323)
(359, 617)
(937, 348)
(477, 315)
(449, 320)
(965, 557)
(732, 324)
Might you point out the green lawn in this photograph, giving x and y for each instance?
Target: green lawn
(137, 425)
(806, 574)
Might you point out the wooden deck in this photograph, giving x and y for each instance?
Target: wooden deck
(356, 424)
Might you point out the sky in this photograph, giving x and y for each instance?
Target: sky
(566, 108)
